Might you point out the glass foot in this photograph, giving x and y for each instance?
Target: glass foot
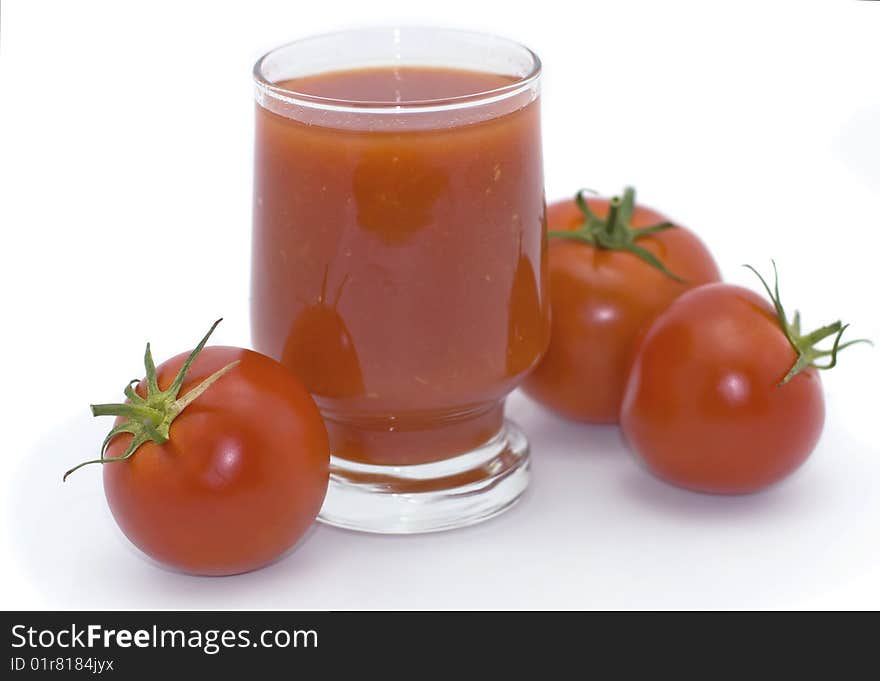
(441, 495)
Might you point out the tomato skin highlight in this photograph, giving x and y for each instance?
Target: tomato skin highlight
(241, 478)
(703, 406)
(601, 301)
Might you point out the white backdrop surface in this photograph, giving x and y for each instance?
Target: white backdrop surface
(125, 176)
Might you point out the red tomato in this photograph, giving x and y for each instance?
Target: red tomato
(241, 477)
(704, 406)
(601, 300)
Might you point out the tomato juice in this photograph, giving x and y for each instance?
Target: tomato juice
(399, 253)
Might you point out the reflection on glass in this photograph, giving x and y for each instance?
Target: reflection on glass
(426, 218)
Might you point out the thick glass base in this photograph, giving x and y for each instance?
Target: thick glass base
(441, 495)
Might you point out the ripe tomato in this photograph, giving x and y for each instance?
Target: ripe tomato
(724, 394)
(602, 298)
(241, 476)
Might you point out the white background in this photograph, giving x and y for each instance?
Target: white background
(125, 179)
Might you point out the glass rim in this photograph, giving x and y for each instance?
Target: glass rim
(522, 83)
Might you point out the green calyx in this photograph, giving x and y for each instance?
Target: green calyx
(614, 232)
(149, 418)
(804, 345)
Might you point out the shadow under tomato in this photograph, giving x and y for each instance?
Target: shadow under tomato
(643, 486)
(601, 458)
(575, 438)
(67, 542)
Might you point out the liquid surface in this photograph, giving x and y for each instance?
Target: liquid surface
(397, 84)
(401, 274)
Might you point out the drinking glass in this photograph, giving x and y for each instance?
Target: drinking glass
(399, 262)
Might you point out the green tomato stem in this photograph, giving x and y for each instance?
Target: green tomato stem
(149, 418)
(615, 231)
(804, 345)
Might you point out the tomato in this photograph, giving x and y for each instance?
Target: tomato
(724, 394)
(602, 298)
(241, 477)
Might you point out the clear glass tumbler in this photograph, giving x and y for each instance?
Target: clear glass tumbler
(399, 249)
